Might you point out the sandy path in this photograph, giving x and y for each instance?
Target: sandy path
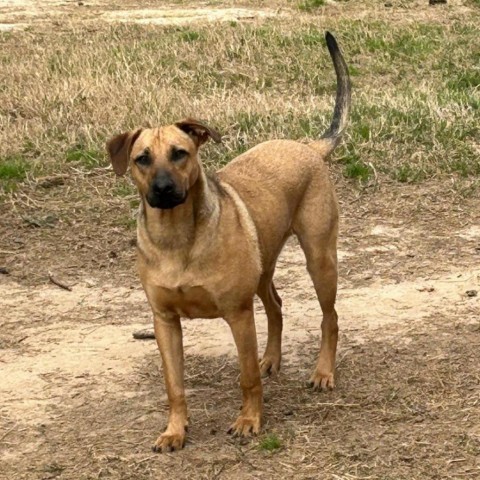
(88, 332)
(18, 14)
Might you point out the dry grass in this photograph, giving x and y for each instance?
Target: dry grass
(416, 87)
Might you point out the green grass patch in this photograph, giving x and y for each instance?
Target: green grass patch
(189, 36)
(134, 202)
(464, 168)
(85, 157)
(313, 37)
(354, 167)
(464, 80)
(357, 170)
(310, 5)
(13, 170)
(123, 188)
(405, 173)
(270, 443)
(126, 221)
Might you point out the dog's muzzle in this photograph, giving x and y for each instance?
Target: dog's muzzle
(164, 193)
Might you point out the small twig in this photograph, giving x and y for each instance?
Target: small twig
(359, 197)
(337, 404)
(144, 335)
(370, 164)
(211, 374)
(58, 283)
(143, 460)
(7, 432)
(468, 473)
(51, 180)
(92, 330)
(339, 362)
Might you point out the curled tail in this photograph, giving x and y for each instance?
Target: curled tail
(343, 99)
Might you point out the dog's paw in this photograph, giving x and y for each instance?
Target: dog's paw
(245, 426)
(269, 365)
(321, 381)
(169, 441)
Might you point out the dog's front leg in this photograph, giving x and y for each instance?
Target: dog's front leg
(168, 332)
(249, 421)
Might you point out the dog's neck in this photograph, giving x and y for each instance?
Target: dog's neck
(179, 227)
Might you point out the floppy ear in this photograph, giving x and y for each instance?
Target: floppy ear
(198, 131)
(119, 148)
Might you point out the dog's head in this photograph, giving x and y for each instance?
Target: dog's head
(163, 161)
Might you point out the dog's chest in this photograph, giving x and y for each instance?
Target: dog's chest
(188, 302)
(185, 291)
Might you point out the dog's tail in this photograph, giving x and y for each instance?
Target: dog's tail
(331, 138)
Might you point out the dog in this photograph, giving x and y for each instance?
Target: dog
(207, 243)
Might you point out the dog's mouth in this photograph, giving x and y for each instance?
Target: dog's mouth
(166, 202)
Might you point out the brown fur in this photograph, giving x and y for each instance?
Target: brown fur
(208, 256)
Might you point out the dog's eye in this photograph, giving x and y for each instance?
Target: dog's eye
(178, 154)
(143, 160)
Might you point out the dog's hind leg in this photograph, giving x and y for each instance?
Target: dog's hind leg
(270, 363)
(322, 266)
(319, 245)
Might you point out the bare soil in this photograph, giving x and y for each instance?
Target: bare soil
(15, 14)
(81, 399)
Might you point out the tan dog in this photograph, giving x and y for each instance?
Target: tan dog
(207, 244)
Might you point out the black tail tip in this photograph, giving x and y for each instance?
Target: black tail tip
(331, 42)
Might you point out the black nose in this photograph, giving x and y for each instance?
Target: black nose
(163, 184)
(164, 193)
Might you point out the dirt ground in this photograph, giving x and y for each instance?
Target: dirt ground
(15, 14)
(81, 399)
